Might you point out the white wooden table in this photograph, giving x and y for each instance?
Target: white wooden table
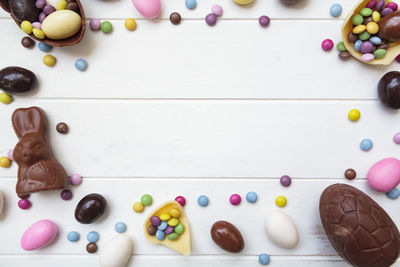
(190, 110)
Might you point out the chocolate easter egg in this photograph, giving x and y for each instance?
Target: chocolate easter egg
(90, 208)
(116, 252)
(389, 89)
(227, 236)
(389, 27)
(358, 228)
(15, 80)
(24, 10)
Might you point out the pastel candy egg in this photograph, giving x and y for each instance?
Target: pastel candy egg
(148, 8)
(384, 175)
(116, 252)
(61, 24)
(39, 235)
(281, 229)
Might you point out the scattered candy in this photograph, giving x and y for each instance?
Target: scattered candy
(280, 201)
(106, 27)
(341, 47)
(251, 197)
(62, 128)
(10, 154)
(350, 174)
(263, 259)
(120, 227)
(95, 24)
(39, 235)
(354, 115)
(175, 18)
(66, 194)
(191, 4)
(366, 144)
(91, 247)
(138, 207)
(73, 236)
(75, 179)
(202, 201)
(146, 200)
(235, 199)
(5, 162)
(44, 47)
(286, 180)
(264, 21)
(92, 236)
(211, 19)
(49, 60)
(27, 42)
(393, 194)
(24, 204)
(181, 200)
(5, 98)
(217, 10)
(396, 138)
(130, 24)
(327, 44)
(81, 64)
(335, 10)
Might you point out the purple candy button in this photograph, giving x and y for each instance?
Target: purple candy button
(211, 19)
(169, 230)
(286, 180)
(366, 47)
(154, 220)
(386, 11)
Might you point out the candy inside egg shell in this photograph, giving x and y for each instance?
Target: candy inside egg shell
(392, 52)
(183, 243)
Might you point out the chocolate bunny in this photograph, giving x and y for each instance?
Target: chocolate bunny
(38, 169)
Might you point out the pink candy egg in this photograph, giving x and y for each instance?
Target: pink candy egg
(384, 175)
(148, 8)
(39, 235)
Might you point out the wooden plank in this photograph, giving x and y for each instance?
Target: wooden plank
(302, 195)
(122, 138)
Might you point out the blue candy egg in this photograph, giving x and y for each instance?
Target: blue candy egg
(81, 64)
(263, 259)
(92, 236)
(120, 227)
(251, 197)
(73, 236)
(44, 47)
(160, 235)
(366, 144)
(162, 226)
(202, 200)
(395, 193)
(190, 4)
(336, 10)
(357, 45)
(375, 40)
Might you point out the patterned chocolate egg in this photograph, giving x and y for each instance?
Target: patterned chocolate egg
(358, 228)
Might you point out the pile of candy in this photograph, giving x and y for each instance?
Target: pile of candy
(365, 33)
(166, 224)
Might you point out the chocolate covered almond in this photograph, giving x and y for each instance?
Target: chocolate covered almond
(227, 236)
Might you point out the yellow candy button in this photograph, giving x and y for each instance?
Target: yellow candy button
(372, 27)
(5, 98)
(376, 16)
(26, 27)
(5, 162)
(280, 201)
(173, 222)
(354, 115)
(130, 24)
(49, 60)
(38, 33)
(138, 207)
(62, 5)
(165, 217)
(359, 29)
(175, 213)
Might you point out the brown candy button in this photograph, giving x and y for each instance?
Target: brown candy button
(62, 128)
(352, 37)
(152, 230)
(350, 174)
(27, 42)
(91, 247)
(367, 20)
(175, 18)
(382, 46)
(73, 6)
(227, 236)
(344, 55)
(24, 196)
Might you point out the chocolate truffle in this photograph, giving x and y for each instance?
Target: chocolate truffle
(389, 89)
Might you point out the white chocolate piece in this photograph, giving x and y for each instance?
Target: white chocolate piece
(281, 229)
(116, 252)
(61, 24)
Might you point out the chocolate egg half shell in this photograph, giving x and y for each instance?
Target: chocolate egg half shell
(358, 228)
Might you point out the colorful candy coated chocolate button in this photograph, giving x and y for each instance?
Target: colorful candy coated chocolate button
(202, 201)
(81, 64)
(148, 8)
(263, 259)
(49, 60)
(93, 236)
(154, 220)
(106, 26)
(173, 236)
(120, 227)
(39, 235)
(116, 252)
(251, 197)
(130, 24)
(335, 10)
(191, 4)
(393, 194)
(366, 144)
(354, 115)
(5, 162)
(146, 200)
(75, 179)
(160, 235)
(235, 199)
(181, 200)
(327, 44)
(173, 222)
(286, 180)
(138, 207)
(44, 47)
(280, 201)
(73, 236)
(165, 217)
(26, 27)
(179, 228)
(24, 204)
(175, 213)
(5, 98)
(163, 226)
(384, 175)
(396, 138)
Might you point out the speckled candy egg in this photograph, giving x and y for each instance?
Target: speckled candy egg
(61, 24)
(384, 175)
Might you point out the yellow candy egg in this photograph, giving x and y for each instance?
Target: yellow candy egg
(359, 29)
(242, 2)
(175, 213)
(61, 5)
(354, 115)
(138, 207)
(280, 201)
(49, 60)
(5, 98)
(38, 33)
(372, 27)
(5, 162)
(61, 24)
(173, 222)
(130, 24)
(165, 217)
(376, 16)
(26, 27)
